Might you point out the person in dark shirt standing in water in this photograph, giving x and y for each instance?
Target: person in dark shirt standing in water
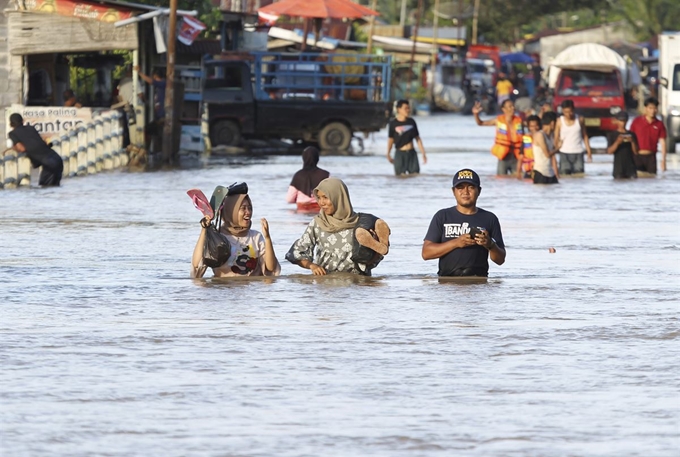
(25, 138)
(155, 129)
(624, 145)
(464, 236)
(402, 132)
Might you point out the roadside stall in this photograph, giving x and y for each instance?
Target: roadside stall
(72, 59)
(67, 60)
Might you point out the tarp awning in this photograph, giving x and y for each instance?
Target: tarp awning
(516, 57)
(587, 56)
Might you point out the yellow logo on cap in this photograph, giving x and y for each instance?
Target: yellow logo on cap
(465, 174)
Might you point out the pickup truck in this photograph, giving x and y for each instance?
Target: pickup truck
(313, 97)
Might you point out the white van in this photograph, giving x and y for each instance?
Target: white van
(669, 86)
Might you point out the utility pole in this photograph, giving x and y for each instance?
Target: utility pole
(305, 32)
(435, 47)
(419, 15)
(371, 27)
(475, 16)
(168, 135)
(402, 16)
(459, 22)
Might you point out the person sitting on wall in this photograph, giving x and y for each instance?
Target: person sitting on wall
(70, 99)
(25, 138)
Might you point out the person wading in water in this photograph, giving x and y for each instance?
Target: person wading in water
(572, 141)
(402, 131)
(508, 146)
(301, 189)
(25, 138)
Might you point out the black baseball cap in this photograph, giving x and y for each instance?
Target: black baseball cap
(466, 175)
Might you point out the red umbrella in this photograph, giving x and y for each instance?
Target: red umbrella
(318, 9)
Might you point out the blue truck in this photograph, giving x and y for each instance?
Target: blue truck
(313, 97)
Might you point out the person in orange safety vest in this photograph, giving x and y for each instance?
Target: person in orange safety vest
(508, 145)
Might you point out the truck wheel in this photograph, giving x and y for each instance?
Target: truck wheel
(335, 136)
(225, 133)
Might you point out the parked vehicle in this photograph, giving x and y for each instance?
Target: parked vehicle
(449, 92)
(596, 78)
(649, 71)
(481, 72)
(479, 85)
(407, 80)
(313, 97)
(669, 86)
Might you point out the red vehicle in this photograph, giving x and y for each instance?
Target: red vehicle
(595, 78)
(597, 96)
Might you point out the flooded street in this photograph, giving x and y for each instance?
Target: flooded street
(109, 348)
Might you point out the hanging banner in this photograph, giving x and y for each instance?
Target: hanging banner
(79, 9)
(189, 30)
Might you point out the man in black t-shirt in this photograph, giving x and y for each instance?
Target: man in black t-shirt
(402, 131)
(463, 237)
(25, 138)
(623, 144)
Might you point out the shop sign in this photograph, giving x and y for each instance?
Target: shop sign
(50, 121)
(79, 9)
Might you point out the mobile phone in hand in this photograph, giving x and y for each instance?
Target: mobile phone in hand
(474, 231)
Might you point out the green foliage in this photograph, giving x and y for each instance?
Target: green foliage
(359, 33)
(649, 17)
(506, 22)
(420, 95)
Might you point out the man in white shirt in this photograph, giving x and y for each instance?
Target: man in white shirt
(126, 89)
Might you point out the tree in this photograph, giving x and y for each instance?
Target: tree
(501, 21)
(649, 17)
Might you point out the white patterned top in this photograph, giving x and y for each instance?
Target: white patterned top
(332, 251)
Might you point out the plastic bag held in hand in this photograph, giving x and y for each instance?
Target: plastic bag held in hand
(216, 249)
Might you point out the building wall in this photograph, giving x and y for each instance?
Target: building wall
(10, 71)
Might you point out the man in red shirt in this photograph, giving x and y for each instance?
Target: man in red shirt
(649, 132)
